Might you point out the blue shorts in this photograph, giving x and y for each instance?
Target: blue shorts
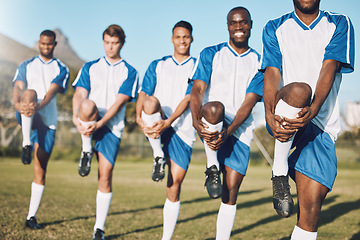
(234, 154)
(175, 148)
(107, 144)
(41, 134)
(314, 156)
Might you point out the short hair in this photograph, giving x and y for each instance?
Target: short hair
(48, 33)
(115, 30)
(183, 24)
(237, 9)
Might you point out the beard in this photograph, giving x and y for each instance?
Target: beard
(307, 10)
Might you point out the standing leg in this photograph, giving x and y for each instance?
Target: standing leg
(311, 195)
(104, 195)
(227, 210)
(41, 159)
(172, 204)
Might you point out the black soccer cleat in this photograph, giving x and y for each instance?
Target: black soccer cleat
(158, 172)
(213, 182)
(26, 154)
(85, 163)
(283, 202)
(99, 234)
(32, 223)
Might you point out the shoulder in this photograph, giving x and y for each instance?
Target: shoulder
(336, 18)
(277, 22)
(26, 62)
(129, 66)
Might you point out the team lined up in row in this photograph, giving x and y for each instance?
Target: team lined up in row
(301, 110)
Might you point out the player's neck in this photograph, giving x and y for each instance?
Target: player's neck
(181, 57)
(240, 48)
(46, 58)
(113, 60)
(307, 18)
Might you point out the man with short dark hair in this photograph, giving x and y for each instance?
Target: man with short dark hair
(163, 114)
(226, 87)
(305, 52)
(36, 83)
(102, 89)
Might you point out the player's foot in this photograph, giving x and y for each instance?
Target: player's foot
(213, 182)
(85, 163)
(32, 223)
(99, 234)
(283, 202)
(158, 172)
(26, 154)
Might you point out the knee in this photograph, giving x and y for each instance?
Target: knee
(151, 105)
(88, 110)
(298, 94)
(213, 112)
(29, 96)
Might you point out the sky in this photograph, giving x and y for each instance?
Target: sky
(148, 24)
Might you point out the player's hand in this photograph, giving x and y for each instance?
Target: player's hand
(217, 143)
(28, 109)
(201, 129)
(303, 118)
(275, 122)
(160, 126)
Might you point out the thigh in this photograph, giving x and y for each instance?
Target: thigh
(107, 144)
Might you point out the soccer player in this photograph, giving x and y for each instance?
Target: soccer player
(226, 87)
(305, 53)
(102, 89)
(36, 83)
(162, 112)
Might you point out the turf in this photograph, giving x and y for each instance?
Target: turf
(67, 210)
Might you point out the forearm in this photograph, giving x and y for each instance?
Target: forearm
(196, 100)
(113, 110)
(18, 89)
(54, 89)
(272, 80)
(324, 85)
(140, 105)
(183, 105)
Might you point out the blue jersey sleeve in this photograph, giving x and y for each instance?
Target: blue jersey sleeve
(256, 84)
(63, 78)
(20, 74)
(271, 56)
(190, 85)
(203, 66)
(342, 44)
(130, 85)
(149, 82)
(83, 77)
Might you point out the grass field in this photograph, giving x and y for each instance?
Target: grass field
(67, 210)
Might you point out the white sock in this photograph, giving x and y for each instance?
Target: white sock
(282, 149)
(170, 213)
(103, 201)
(26, 124)
(225, 221)
(86, 141)
(155, 143)
(36, 194)
(211, 155)
(300, 234)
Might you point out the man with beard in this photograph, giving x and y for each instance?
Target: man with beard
(36, 83)
(305, 53)
(226, 87)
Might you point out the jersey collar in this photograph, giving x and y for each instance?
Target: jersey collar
(43, 60)
(235, 53)
(182, 63)
(112, 64)
(303, 25)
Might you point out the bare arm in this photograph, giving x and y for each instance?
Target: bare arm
(272, 80)
(51, 93)
(322, 90)
(196, 100)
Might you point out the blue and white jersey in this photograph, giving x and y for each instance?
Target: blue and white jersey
(37, 74)
(299, 50)
(229, 76)
(167, 80)
(104, 81)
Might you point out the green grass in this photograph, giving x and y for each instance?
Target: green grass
(67, 210)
